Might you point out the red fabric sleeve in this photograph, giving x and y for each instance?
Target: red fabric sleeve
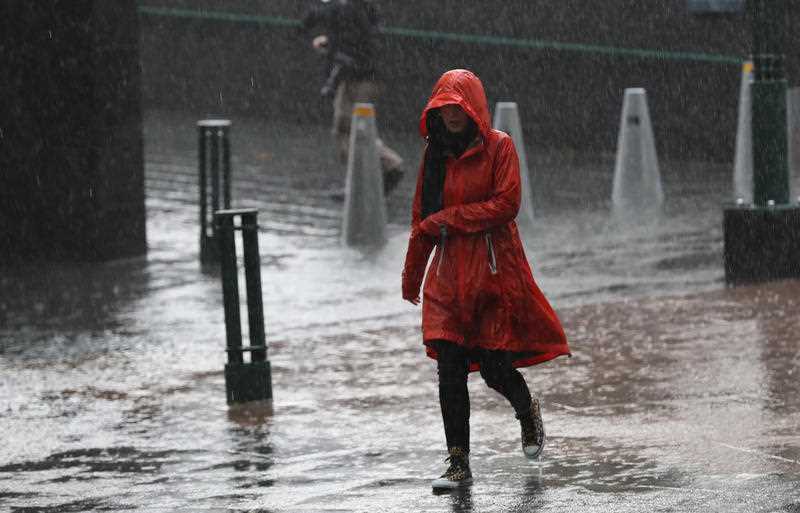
(498, 210)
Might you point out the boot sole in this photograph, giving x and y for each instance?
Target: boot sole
(537, 454)
(444, 484)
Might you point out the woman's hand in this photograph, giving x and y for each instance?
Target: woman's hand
(429, 226)
(410, 290)
(320, 44)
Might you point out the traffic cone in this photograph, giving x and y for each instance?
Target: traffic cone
(364, 219)
(506, 118)
(637, 180)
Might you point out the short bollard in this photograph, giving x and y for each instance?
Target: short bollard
(761, 240)
(244, 381)
(214, 152)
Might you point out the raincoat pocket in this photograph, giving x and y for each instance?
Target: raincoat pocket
(490, 253)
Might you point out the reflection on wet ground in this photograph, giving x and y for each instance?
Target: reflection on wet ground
(682, 395)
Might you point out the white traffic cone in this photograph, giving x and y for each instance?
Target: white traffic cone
(364, 219)
(637, 180)
(743, 160)
(506, 118)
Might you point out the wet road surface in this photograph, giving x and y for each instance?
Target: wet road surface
(682, 394)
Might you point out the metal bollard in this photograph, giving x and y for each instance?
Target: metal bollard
(213, 134)
(244, 381)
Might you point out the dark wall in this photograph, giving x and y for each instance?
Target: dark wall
(72, 181)
(568, 97)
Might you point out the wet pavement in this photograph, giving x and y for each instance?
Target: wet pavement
(682, 394)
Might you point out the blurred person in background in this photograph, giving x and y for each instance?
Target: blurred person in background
(345, 34)
(482, 310)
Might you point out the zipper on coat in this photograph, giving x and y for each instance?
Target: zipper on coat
(442, 244)
(490, 250)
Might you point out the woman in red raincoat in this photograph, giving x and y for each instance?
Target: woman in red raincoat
(482, 310)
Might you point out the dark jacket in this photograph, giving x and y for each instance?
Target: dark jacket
(351, 26)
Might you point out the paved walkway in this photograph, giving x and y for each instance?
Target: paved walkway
(112, 393)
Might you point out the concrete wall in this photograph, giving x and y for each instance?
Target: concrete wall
(569, 97)
(72, 181)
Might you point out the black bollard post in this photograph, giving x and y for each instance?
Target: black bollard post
(762, 240)
(252, 271)
(244, 381)
(213, 134)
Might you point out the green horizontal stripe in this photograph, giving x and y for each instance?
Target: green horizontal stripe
(570, 47)
(537, 44)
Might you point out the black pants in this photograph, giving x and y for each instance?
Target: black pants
(496, 370)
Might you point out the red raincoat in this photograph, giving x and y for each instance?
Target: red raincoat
(479, 291)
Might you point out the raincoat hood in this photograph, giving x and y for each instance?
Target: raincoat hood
(461, 87)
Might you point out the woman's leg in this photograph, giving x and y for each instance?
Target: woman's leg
(500, 375)
(453, 395)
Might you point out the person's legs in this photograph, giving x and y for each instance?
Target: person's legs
(499, 373)
(342, 112)
(347, 95)
(453, 368)
(391, 161)
(391, 164)
(453, 394)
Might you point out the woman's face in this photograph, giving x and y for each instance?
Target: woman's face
(454, 117)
